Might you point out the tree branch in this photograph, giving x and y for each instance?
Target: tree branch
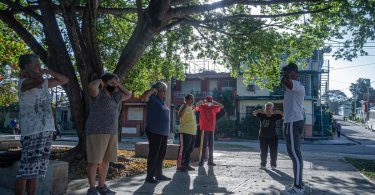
(245, 16)
(197, 23)
(14, 8)
(25, 35)
(196, 9)
(113, 11)
(89, 35)
(17, 8)
(179, 2)
(139, 9)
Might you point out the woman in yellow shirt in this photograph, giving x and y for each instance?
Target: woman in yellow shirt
(187, 130)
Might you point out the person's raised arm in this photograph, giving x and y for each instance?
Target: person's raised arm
(126, 93)
(218, 104)
(256, 112)
(95, 86)
(57, 78)
(146, 95)
(199, 103)
(279, 112)
(182, 110)
(286, 80)
(32, 80)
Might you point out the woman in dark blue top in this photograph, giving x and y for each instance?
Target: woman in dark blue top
(157, 130)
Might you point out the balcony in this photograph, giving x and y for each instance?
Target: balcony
(197, 94)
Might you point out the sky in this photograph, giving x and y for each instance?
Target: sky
(343, 73)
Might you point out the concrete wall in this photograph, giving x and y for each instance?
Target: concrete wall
(242, 89)
(55, 182)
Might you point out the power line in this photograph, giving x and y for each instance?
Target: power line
(340, 81)
(372, 46)
(358, 56)
(338, 42)
(346, 67)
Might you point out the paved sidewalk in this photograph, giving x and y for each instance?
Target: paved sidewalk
(238, 172)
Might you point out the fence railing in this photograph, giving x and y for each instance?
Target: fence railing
(197, 94)
(247, 126)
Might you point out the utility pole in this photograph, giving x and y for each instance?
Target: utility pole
(355, 106)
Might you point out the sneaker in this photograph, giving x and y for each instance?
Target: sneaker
(189, 168)
(151, 180)
(105, 190)
(273, 167)
(211, 164)
(201, 163)
(291, 185)
(293, 191)
(263, 167)
(92, 191)
(163, 178)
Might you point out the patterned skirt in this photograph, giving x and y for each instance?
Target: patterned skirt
(36, 150)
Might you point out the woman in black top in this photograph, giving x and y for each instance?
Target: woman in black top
(267, 133)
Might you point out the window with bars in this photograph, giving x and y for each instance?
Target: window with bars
(305, 79)
(227, 84)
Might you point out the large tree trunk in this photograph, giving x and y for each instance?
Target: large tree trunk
(58, 59)
(83, 40)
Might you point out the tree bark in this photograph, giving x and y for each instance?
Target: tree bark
(58, 59)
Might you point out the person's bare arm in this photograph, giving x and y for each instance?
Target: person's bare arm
(217, 103)
(126, 93)
(95, 86)
(255, 112)
(146, 95)
(33, 80)
(278, 112)
(57, 78)
(287, 81)
(198, 103)
(182, 110)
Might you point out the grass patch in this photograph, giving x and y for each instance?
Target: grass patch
(366, 167)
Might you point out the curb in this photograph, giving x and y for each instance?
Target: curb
(351, 139)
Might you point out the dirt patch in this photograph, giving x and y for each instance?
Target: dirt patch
(127, 165)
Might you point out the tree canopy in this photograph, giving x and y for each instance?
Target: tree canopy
(360, 88)
(147, 40)
(336, 98)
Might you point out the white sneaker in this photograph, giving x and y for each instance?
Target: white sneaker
(293, 191)
(273, 167)
(263, 167)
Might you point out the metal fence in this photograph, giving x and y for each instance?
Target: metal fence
(246, 126)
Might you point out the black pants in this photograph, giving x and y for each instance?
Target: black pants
(292, 135)
(185, 149)
(157, 147)
(208, 139)
(265, 143)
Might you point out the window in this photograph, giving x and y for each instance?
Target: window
(135, 113)
(251, 88)
(227, 84)
(191, 86)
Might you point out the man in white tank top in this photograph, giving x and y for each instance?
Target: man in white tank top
(293, 123)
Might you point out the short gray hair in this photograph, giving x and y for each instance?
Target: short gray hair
(159, 84)
(268, 103)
